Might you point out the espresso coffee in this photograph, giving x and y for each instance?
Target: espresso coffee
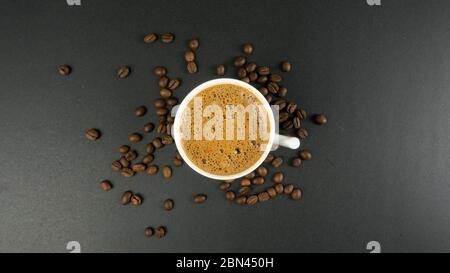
(225, 155)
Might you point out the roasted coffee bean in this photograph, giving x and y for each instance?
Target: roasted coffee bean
(189, 56)
(275, 78)
(241, 200)
(169, 129)
(167, 38)
(296, 194)
(282, 91)
(253, 76)
(152, 169)
(162, 111)
(150, 149)
(303, 113)
(269, 98)
(239, 61)
(139, 167)
(163, 81)
(124, 149)
(262, 79)
(277, 162)
(126, 197)
(245, 182)
(241, 72)
(173, 84)
(283, 116)
(224, 186)
(252, 200)
(92, 134)
(159, 103)
(302, 133)
(149, 231)
(160, 232)
(166, 140)
(123, 72)
(247, 49)
(245, 79)
(263, 70)
(296, 122)
(131, 155)
(279, 188)
(287, 125)
(320, 119)
(162, 119)
(168, 204)
(262, 171)
(148, 127)
(244, 190)
(161, 129)
(305, 155)
(177, 162)
(140, 111)
(165, 93)
(285, 66)
(124, 162)
(172, 101)
(135, 137)
(167, 172)
(106, 185)
(116, 166)
(263, 196)
(199, 198)
(150, 38)
(288, 188)
(157, 143)
(230, 195)
(259, 180)
(273, 87)
(250, 175)
(160, 71)
(291, 107)
(191, 67)
(127, 172)
(296, 162)
(148, 158)
(220, 70)
(272, 192)
(278, 177)
(136, 200)
(64, 70)
(281, 104)
(264, 91)
(269, 158)
(194, 44)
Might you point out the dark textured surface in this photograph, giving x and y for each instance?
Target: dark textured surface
(380, 169)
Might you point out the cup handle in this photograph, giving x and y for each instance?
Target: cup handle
(285, 141)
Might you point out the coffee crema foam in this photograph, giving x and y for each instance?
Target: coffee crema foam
(225, 157)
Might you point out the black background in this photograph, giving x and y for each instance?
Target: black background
(380, 169)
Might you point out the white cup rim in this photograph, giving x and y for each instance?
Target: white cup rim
(191, 95)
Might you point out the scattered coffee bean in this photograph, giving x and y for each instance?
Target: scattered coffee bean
(247, 49)
(157, 143)
(163, 81)
(283, 116)
(258, 180)
(150, 149)
(230, 195)
(279, 188)
(239, 61)
(296, 194)
(149, 231)
(296, 162)
(262, 79)
(135, 137)
(148, 127)
(250, 67)
(160, 71)
(277, 162)
(281, 104)
(167, 172)
(136, 200)
(252, 200)
(191, 67)
(285, 66)
(269, 98)
(244, 190)
(165, 93)
(275, 78)
(305, 155)
(245, 79)
(139, 167)
(127, 172)
(160, 232)
(148, 158)
(245, 182)
(124, 162)
(123, 72)
(131, 155)
(241, 200)
(169, 129)
(263, 196)
(194, 44)
(272, 192)
(126, 197)
(288, 188)
(320, 119)
(269, 159)
(92, 134)
(189, 56)
(167, 38)
(173, 84)
(296, 122)
(64, 70)
(199, 198)
(168, 204)
(162, 118)
(177, 162)
(159, 103)
(161, 129)
(224, 186)
(171, 101)
(140, 111)
(264, 91)
(273, 87)
(150, 38)
(252, 76)
(220, 70)
(162, 111)
(291, 107)
(302, 133)
(124, 149)
(263, 70)
(303, 113)
(250, 175)
(166, 140)
(282, 91)
(116, 166)
(287, 125)
(241, 73)
(152, 170)
(278, 177)
(106, 185)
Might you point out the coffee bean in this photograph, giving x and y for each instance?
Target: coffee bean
(275, 78)
(199, 198)
(160, 232)
(244, 190)
(106, 185)
(245, 182)
(263, 196)
(296, 122)
(263, 70)
(241, 72)
(139, 167)
(262, 79)
(148, 158)
(159, 103)
(165, 93)
(157, 143)
(93, 134)
(282, 117)
(189, 56)
(305, 155)
(127, 172)
(320, 119)
(269, 158)
(280, 103)
(124, 149)
(168, 204)
(173, 84)
(252, 76)
(149, 231)
(230, 195)
(224, 186)
(252, 200)
(277, 162)
(291, 107)
(166, 140)
(282, 91)
(178, 156)
(302, 133)
(152, 170)
(172, 101)
(163, 81)
(124, 162)
(285, 66)
(116, 166)
(140, 111)
(303, 113)
(250, 67)
(194, 44)
(220, 70)
(272, 192)
(150, 38)
(161, 128)
(269, 98)
(150, 149)
(131, 155)
(247, 49)
(258, 180)
(126, 197)
(64, 70)
(167, 172)
(262, 171)
(245, 79)
(162, 111)
(239, 61)
(123, 72)
(287, 125)
(162, 119)
(296, 162)
(160, 71)
(167, 38)
(191, 67)
(136, 200)
(250, 175)
(273, 87)
(264, 91)
(177, 162)
(169, 129)
(296, 194)
(135, 137)
(288, 188)
(279, 188)
(278, 177)
(148, 127)
(241, 200)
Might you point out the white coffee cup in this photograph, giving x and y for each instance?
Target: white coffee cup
(274, 138)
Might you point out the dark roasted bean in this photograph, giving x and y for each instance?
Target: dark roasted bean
(160, 103)
(269, 158)
(167, 172)
(135, 137)
(296, 162)
(168, 204)
(191, 67)
(131, 155)
(127, 172)
(152, 169)
(124, 162)
(64, 70)
(247, 48)
(189, 56)
(279, 188)
(263, 70)
(239, 61)
(285, 66)
(116, 166)
(124, 149)
(278, 177)
(106, 185)
(220, 69)
(194, 44)
(167, 38)
(150, 38)
(272, 192)
(263, 196)
(173, 84)
(199, 198)
(241, 200)
(163, 81)
(149, 231)
(282, 91)
(296, 194)
(139, 167)
(160, 232)
(245, 182)
(230, 195)
(123, 72)
(288, 188)
(126, 197)
(92, 134)
(277, 162)
(136, 200)
(320, 119)
(275, 78)
(252, 200)
(148, 158)
(160, 71)
(258, 180)
(140, 111)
